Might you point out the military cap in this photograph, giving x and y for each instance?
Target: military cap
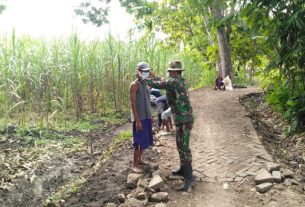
(143, 66)
(175, 66)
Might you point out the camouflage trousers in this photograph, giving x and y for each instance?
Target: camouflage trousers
(183, 133)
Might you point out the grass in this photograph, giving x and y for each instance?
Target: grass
(123, 136)
(62, 130)
(207, 80)
(84, 125)
(44, 82)
(120, 138)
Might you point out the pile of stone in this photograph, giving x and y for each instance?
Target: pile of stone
(272, 174)
(146, 191)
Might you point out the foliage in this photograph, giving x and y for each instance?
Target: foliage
(2, 6)
(192, 24)
(208, 79)
(92, 14)
(282, 23)
(123, 136)
(45, 82)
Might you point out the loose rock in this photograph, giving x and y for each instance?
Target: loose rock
(156, 182)
(110, 205)
(130, 195)
(132, 202)
(156, 172)
(263, 176)
(158, 143)
(271, 166)
(301, 180)
(142, 196)
(294, 164)
(277, 175)
(175, 177)
(264, 187)
(121, 197)
(154, 166)
(293, 182)
(287, 183)
(160, 205)
(288, 174)
(133, 179)
(138, 191)
(142, 183)
(159, 197)
(165, 189)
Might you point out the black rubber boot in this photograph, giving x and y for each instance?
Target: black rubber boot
(178, 172)
(188, 177)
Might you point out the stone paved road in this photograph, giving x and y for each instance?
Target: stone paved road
(225, 145)
(226, 154)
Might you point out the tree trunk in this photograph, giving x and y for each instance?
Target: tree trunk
(223, 43)
(218, 66)
(211, 41)
(225, 56)
(251, 71)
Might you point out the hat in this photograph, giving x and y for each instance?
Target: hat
(143, 66)
(175, 66)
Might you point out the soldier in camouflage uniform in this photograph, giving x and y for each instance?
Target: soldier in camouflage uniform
(178, 99)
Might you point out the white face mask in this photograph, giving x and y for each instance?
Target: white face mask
(145, 74)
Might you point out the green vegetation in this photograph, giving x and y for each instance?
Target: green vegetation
(46, 84)
(282, 24)
(120, 138)
(2, 6)
(63, 83)
(123, 136)
(252, 41)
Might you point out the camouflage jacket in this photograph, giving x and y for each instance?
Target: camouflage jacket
(177, 95)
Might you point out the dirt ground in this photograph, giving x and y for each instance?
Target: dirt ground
(272, 130)
(226, 150)
(30, 174)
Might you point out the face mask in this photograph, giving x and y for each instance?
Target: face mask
(145, 74)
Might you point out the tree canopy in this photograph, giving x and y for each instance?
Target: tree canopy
(2, 7)
(240, 38)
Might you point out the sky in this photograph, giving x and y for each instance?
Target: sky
(56, 18)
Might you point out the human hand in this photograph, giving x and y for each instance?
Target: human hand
(152, 74)
(139, 125)
(139, 75)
